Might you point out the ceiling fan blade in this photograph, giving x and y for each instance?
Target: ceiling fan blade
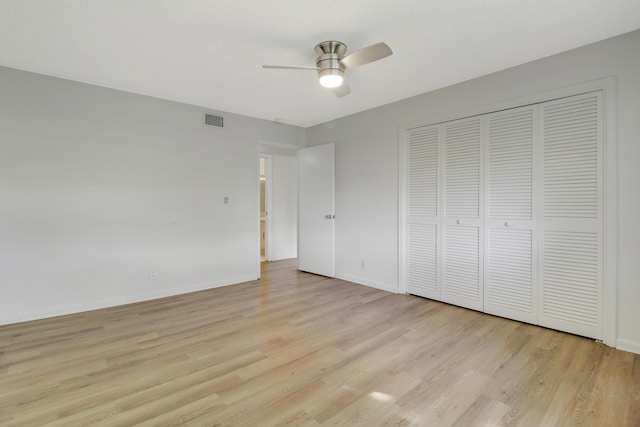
(366, 55)
(342, 90)
(290, 67)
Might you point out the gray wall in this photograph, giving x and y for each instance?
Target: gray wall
(367, 162)
(99, 187)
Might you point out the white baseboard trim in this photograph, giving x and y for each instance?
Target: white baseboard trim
(114, 302)
(630, 346)
(372, 284)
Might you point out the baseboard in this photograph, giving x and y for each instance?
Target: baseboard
(630, 346)
(114, 302)
(372, 284)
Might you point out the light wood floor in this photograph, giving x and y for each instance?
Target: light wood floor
(296, 349)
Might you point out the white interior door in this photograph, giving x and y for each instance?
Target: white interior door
(423, 213)
(462, 232)
(510, 245)
(316, 210)
(571, 233)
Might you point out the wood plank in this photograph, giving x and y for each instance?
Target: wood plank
(295, 349)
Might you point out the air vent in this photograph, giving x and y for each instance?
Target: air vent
(211, 120)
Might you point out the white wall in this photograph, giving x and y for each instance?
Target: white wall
(98, 187)
(367, 162)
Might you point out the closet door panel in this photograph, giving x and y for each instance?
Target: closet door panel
(422, 271)
(571, 281)
(462, 284)
(462, 157)
(422, 260)
(462, 199)
(510, 286)
(571, 230)
(510, 246)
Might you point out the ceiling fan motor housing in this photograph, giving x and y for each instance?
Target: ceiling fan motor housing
(328, 58)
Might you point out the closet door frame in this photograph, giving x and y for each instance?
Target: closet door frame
(609, 162)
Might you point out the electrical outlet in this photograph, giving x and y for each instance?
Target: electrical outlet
(363, 264)
(152, 274)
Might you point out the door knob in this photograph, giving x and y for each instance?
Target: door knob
(329, 216)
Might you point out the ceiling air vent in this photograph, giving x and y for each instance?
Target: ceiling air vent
(211, 120)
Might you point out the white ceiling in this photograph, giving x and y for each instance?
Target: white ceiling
(209, 52)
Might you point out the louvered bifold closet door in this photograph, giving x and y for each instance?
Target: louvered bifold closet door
(571, 226)
(462, 233)
(510, 270)
(422, 210)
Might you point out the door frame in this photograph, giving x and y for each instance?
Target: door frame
(610, 194)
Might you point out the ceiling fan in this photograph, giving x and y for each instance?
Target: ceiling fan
(331, 63)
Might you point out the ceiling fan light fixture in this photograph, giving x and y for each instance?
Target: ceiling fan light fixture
(331, 78)
(331, 63)
(331, 81)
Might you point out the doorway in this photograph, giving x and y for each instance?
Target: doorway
(265, 199)
(276, 202)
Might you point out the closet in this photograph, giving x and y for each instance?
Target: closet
(503, 213)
